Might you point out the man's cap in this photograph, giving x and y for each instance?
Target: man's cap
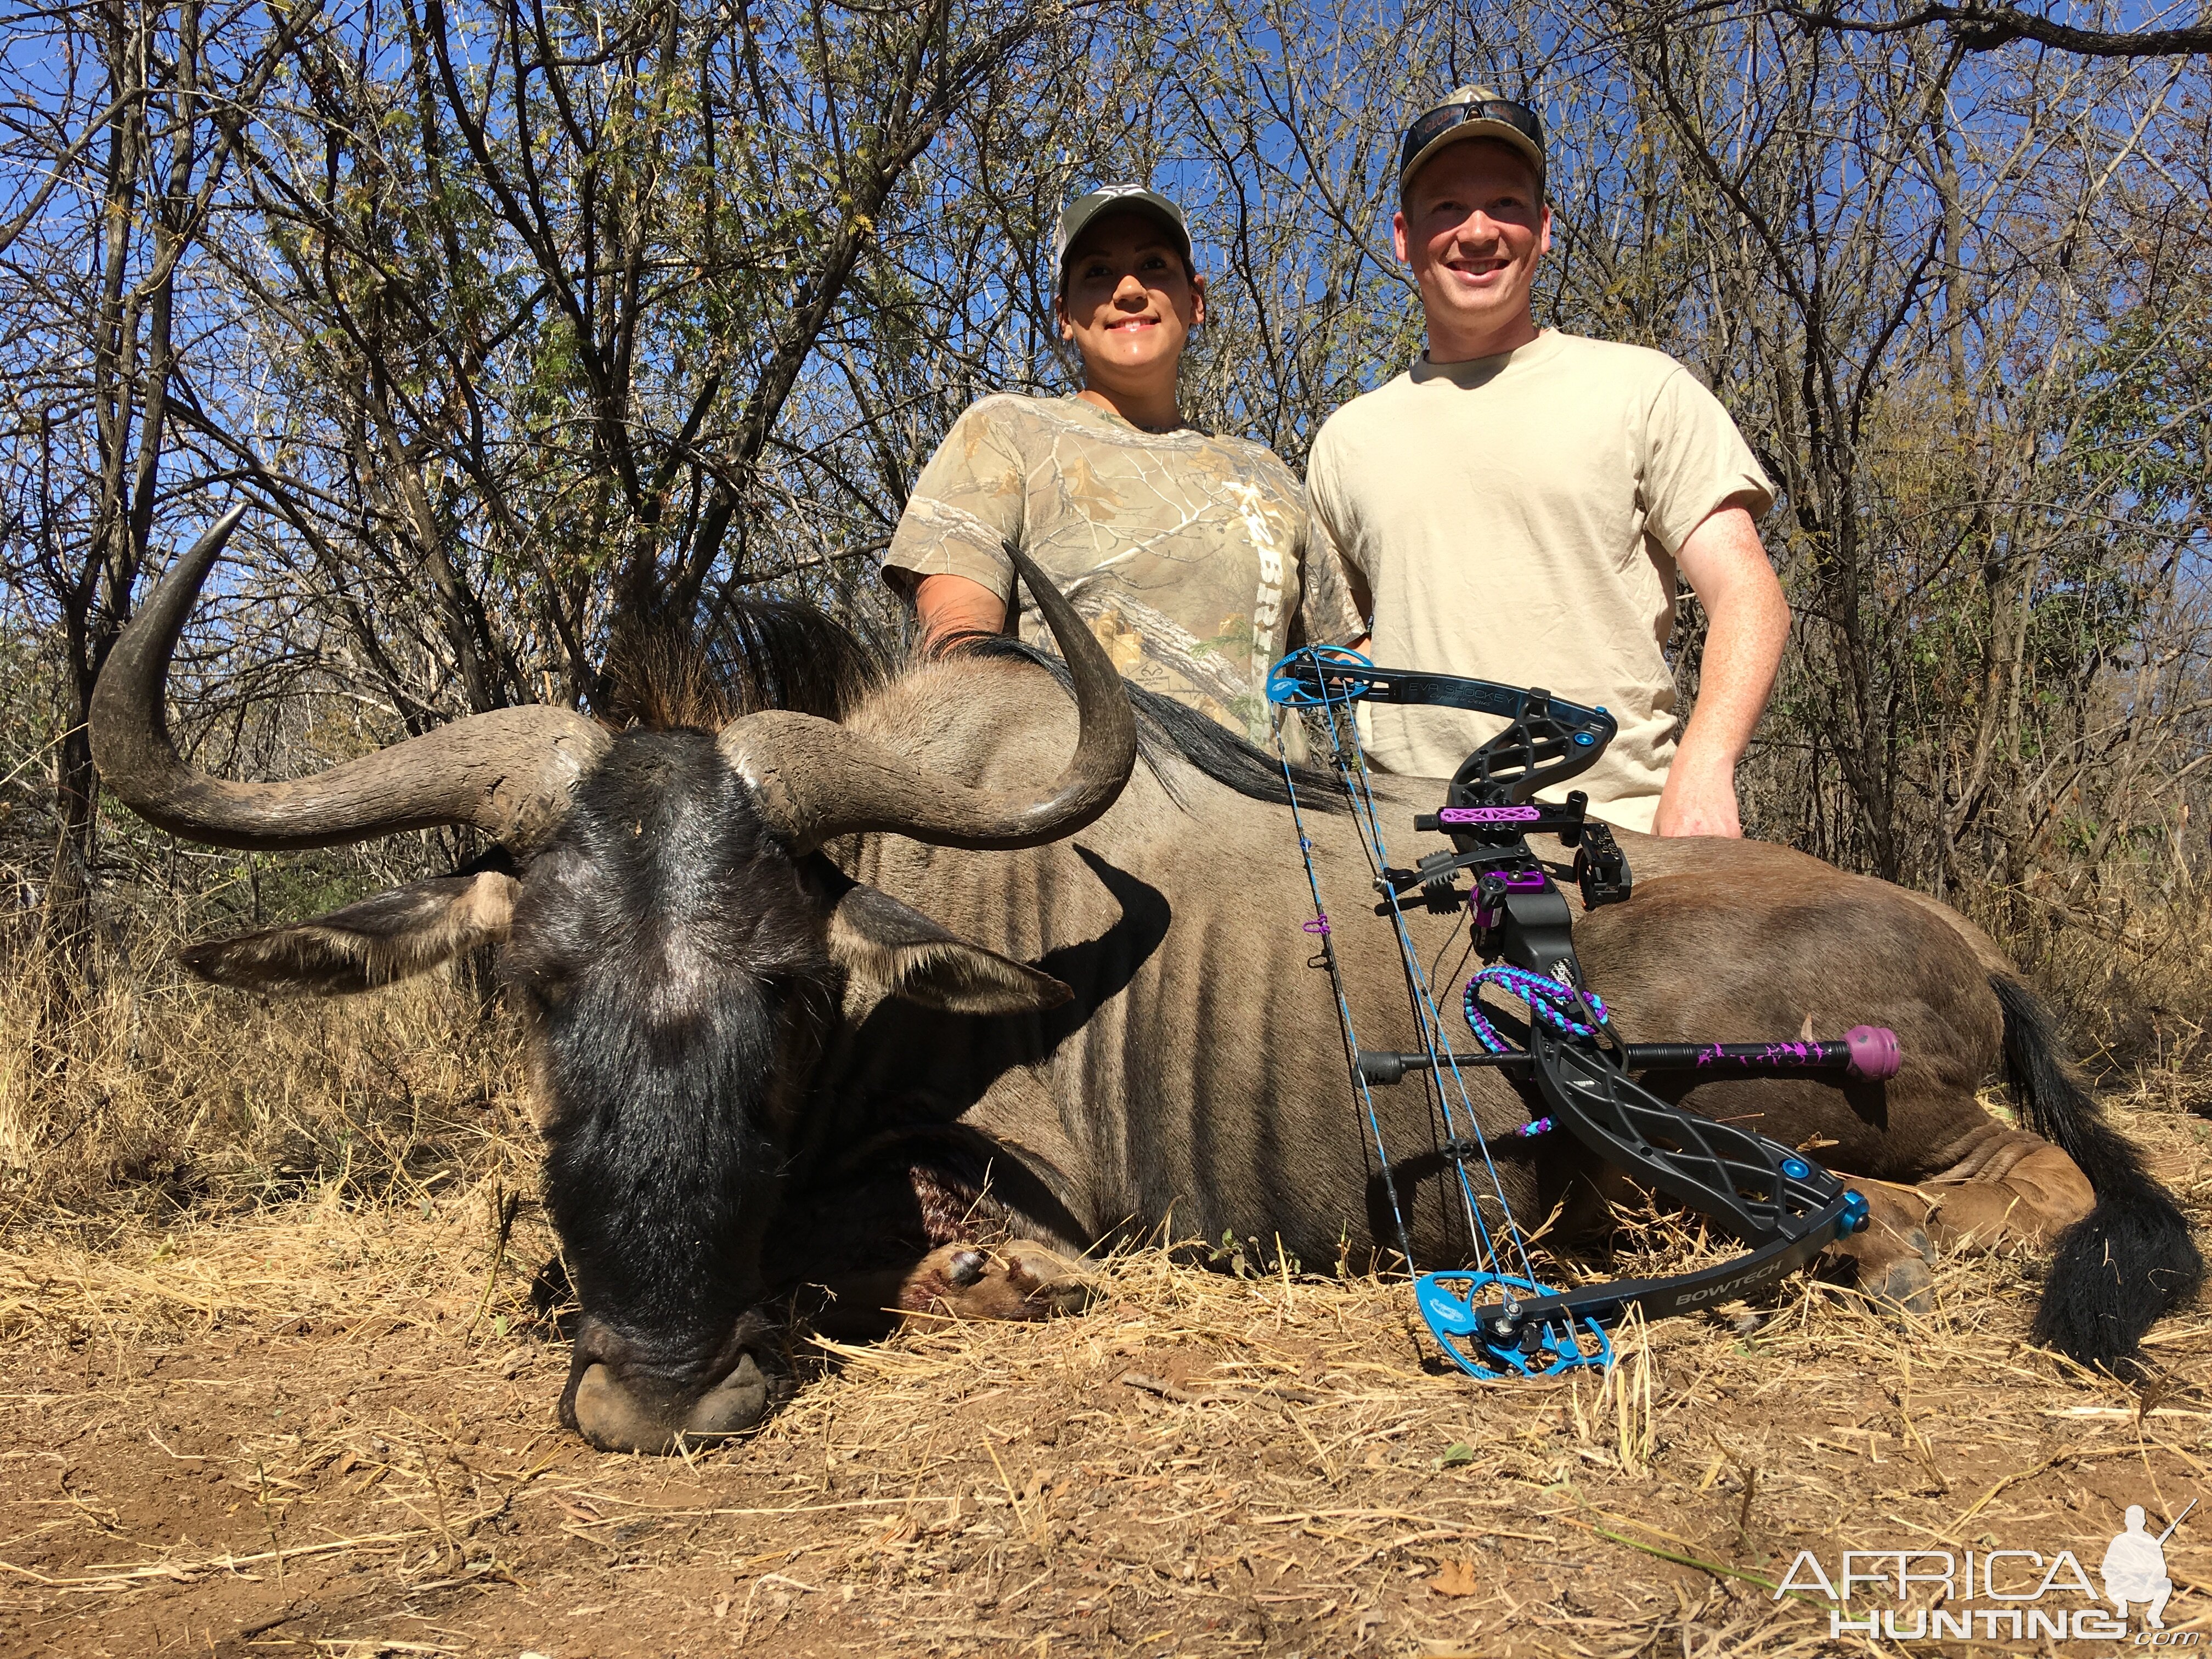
(1466, 114)
(1116, 199)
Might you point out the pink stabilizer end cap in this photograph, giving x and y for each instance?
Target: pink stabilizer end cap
(1875, 1054)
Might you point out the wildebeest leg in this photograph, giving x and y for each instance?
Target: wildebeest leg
(1014, 1278)
(929, 1234)
(2007, 1187)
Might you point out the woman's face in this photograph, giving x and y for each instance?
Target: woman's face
(1130, 302)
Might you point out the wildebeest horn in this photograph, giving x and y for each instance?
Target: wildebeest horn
(815, 779)
(508, 773)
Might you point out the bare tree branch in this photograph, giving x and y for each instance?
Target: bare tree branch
(1984, 28)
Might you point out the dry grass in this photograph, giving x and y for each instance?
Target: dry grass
(322, 1425)
(2129, 967)
(271, 1379)
(163, 1095)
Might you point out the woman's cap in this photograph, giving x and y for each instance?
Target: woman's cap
(1116, 199)
(1471, 112)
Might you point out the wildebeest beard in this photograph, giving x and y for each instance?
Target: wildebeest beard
(673, 962)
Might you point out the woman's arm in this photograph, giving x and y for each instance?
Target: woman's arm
(948, 605)
(947, 557)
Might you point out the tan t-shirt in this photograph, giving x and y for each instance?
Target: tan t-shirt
(1184, 550)
(1516, 518)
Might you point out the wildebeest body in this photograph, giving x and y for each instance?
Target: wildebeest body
(1199, 1075)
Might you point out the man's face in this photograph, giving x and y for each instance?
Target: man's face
(1130, 302)
(1473, 228)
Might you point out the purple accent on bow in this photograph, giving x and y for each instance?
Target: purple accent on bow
(1489, 815)
(1773, 1054)
(1525, 881)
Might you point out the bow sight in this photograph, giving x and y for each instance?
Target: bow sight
(1781, 1204)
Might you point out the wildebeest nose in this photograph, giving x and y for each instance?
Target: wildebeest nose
(967, 1268)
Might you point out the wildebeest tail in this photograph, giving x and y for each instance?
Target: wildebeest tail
(2121, 1267)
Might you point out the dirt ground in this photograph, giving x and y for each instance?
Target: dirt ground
(323, 1428)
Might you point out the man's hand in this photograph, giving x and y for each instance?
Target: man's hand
(1698, 800)
(1747, 623)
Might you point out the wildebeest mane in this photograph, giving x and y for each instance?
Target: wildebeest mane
(764, 652)
(757, 652)
(1165, 725)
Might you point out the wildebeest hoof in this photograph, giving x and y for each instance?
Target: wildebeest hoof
(1018, 1280)
(1906, 1285)
(613, 1417)
(1893, 1253)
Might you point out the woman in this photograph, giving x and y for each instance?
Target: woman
(1182, 548)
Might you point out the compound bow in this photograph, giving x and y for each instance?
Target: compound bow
(1781, 1204)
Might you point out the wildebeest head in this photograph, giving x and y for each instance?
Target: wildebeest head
(676, 938)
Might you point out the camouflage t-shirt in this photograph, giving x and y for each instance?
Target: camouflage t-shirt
(1182, 550)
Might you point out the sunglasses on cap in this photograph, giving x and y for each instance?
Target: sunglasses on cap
(1444, 117)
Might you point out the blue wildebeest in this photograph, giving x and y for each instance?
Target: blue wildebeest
(863, 1004)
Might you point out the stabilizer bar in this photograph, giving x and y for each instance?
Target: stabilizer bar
(1866, 1052)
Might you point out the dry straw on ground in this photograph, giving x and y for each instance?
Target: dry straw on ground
(273, 1380)
(322, 1425)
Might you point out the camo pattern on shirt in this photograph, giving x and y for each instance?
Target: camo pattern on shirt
(1183, 550)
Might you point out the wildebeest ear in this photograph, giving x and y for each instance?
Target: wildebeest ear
(876, 938)
(366, 944)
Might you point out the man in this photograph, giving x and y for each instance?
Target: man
(2134, 1569)
(1182, 548)
(1516, 506)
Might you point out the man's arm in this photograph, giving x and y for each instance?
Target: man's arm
(1363, 606)
(946, 606)
(1747, 624)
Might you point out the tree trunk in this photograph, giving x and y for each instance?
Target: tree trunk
(67, 959)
